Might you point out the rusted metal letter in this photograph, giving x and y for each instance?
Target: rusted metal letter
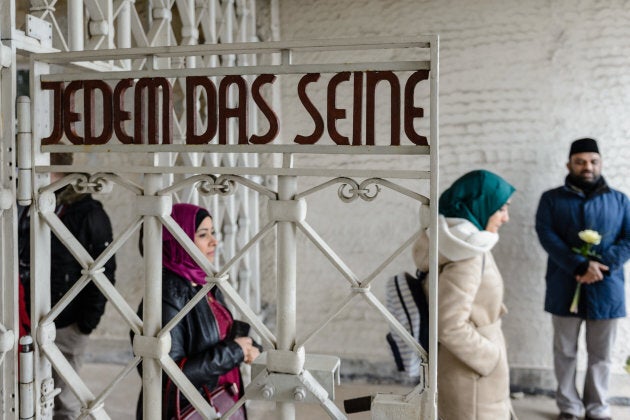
(191, 109)
(357, 108)
(239, 111)
(333, 113)
(120, 115)
(265, 109)
(69, 116)
(89, 86)
(412, 112)
(311, 109)
(373, 78)
(153, 86)
(57, 114)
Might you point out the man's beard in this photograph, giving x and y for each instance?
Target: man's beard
(582, 183)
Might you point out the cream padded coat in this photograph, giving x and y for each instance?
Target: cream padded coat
(473, 375)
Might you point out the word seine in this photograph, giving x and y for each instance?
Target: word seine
(151, 95)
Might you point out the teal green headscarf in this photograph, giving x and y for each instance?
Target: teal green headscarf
(475, 197)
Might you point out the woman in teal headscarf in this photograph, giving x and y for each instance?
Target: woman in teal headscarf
(473, 375)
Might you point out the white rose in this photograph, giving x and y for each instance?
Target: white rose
(590, 236)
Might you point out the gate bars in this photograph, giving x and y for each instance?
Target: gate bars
(284, 378)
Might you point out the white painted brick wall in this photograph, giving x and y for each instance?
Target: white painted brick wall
(518, 82)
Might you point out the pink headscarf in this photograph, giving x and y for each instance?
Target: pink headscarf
(174, 256)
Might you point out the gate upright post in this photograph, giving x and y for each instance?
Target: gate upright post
(40, 240)
(8, 218)
(152, 308)
(287, 281)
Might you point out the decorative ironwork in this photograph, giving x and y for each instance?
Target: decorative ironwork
(367, 190)
(222, 186)
(97, 183)
(351, 190)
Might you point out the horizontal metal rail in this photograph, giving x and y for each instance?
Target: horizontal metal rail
(297, 149)
(324, 172)
(243, 70)
(237, 48)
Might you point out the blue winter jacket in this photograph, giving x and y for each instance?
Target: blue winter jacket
(562, 213)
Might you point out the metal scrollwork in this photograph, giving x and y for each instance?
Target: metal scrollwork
(350, 190)
(97, 183)
(369, 189)
(222, 186)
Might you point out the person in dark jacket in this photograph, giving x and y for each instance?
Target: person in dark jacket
(88, 222)
(584, 202)
(203, 343)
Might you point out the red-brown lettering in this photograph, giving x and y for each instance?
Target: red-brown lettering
(69, 116)
(153, 87)
(239, 111)
(311, 109)
(90, 86)
(266, 110)
(357, 108)
(57, 132)
(412, 112)
(191, 109)
(334, 113)
(120, 115)
(373, 78)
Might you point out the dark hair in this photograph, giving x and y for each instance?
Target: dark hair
(201, 214)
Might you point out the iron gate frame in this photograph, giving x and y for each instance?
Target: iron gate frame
(111, 24)
(288, 213)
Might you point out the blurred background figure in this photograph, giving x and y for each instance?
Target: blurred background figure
(88, 222)
(473, 374)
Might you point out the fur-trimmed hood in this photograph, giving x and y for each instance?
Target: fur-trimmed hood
(458, 239)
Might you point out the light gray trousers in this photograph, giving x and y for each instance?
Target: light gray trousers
(72, 343)
(600, 338)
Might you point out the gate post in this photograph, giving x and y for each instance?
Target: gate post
(287, 280)
(152, 308)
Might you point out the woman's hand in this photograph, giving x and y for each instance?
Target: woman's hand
(250, 351)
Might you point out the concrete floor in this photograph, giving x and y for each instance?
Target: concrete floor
(121, 403)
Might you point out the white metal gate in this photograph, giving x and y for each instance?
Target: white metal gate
(177, 172)
(283, 377)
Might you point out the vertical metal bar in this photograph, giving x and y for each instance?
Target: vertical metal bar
(40, 232)
(108, 9)
(190, 34)
(152, 307)
(229, 225)
(8, 214)
(123, 30)
(75, 25)
(287, 279)
(433, 241)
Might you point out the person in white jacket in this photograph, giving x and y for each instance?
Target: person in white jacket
(473, 374)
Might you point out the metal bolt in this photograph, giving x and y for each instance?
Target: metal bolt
(268, 391)
(299, 394)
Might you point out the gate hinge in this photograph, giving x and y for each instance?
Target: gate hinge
(48, 394)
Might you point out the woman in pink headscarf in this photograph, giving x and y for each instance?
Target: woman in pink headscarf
(204, 342)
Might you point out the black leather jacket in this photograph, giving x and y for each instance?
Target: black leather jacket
(86, 219)
(195, 337)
